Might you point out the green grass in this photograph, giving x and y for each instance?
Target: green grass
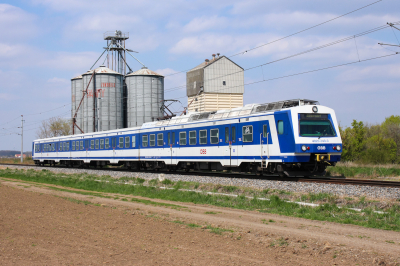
(149, 202)
(363, 171)
(328, 211)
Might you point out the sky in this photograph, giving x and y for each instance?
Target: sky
(45, 43)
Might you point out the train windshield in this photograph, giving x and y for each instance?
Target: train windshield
(316, 128)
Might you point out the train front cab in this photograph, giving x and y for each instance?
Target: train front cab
(315, 138)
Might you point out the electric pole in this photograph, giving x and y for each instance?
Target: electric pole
(393, 26)
(22, 138)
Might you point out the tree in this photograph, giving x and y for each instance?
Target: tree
(380, 150)
(391, 129)
(54, 127)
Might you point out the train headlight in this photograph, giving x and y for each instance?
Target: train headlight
(304, 148)
(338, 147)
(315, 109)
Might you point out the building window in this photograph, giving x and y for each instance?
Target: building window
(224, 83)
(203, 136)
(265, 131)
(92, 144)
(133, 141)
(194, 85)
(97, 144)
(144, 141)
(247, 133)
(280, 127)
(127, 140)
(107, 143)
(121, 142)
(152, 140)
(160, 139)
(101, 144)
(182, 138)
(214, 136)
(192, 138)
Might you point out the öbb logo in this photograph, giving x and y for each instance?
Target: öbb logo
(203, 151)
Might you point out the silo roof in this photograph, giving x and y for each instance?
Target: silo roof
(77, 77)
(144, 71)
(102, 70)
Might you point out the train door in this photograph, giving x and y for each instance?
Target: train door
(265, 140)
(231, 149)
(172, 144)
(87, 150)
(114, 146)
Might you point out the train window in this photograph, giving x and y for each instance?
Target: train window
(152, 140)
(60, 146)
(97, 144)
(316, 128)
(192, 138)
(203, 136)
(182, 138)
(144, 141)
(169, 138)
(280, 127)
(107, 143)
(265, 131)
(227, 135)
(160, 139)
(127, 141)
(101, 144)
(133, 141)
(121, 142)
(53, 147)
(92, 144)
(173, 138)
(73, 145)
(233, 134)
(214, 136)
(113, 142)
(81, 144)
(64, 146)
(247, 133)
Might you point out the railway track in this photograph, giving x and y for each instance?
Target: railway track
(326, 180)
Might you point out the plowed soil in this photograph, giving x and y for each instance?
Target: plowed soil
(43, 226)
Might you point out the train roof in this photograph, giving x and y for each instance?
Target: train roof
(195, 116)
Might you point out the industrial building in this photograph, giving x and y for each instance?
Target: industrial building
(215, 84)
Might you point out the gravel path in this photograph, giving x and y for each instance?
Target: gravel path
(340, 190)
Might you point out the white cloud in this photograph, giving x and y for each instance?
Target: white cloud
(57, 80)
(206, 23)
(16, 24)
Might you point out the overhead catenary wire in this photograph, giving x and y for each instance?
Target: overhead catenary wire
(290, 35)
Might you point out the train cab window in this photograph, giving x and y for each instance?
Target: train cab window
(247, 133)
(160, 139)
(127, 141)
(169, 138)
(101, 144)
(81, 145)
(152, 140)
(214, 136)
(227, 135)
(182, 138)
(107, 143)
(133, 141)
(233, 134)
(121, 142)
(280, 127)
(192, 138)
(265, 131)
(97, 144)
(144, 141)
(73, 145)
(203, 136)
(92, 144)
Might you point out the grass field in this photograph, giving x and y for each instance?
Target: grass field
(354, 170)
(27, 160)
(327, 211)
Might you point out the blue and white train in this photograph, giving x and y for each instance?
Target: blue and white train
(288, 138)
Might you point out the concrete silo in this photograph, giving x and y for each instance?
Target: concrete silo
(76, 93)
(145, 96)
(103, 103)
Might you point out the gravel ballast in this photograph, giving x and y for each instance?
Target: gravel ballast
(336, 189)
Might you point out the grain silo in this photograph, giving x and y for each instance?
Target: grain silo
(76, 93)
(103, 102)
(145, 96)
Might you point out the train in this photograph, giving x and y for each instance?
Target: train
(287, 138)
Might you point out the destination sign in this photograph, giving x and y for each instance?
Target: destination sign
(314, 116)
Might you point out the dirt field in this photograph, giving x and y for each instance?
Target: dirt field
(41, 226)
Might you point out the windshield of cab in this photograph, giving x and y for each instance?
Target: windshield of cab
(316, 126)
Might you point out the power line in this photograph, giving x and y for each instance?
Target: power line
(277, 40)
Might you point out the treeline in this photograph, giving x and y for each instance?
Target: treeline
(377, 144)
